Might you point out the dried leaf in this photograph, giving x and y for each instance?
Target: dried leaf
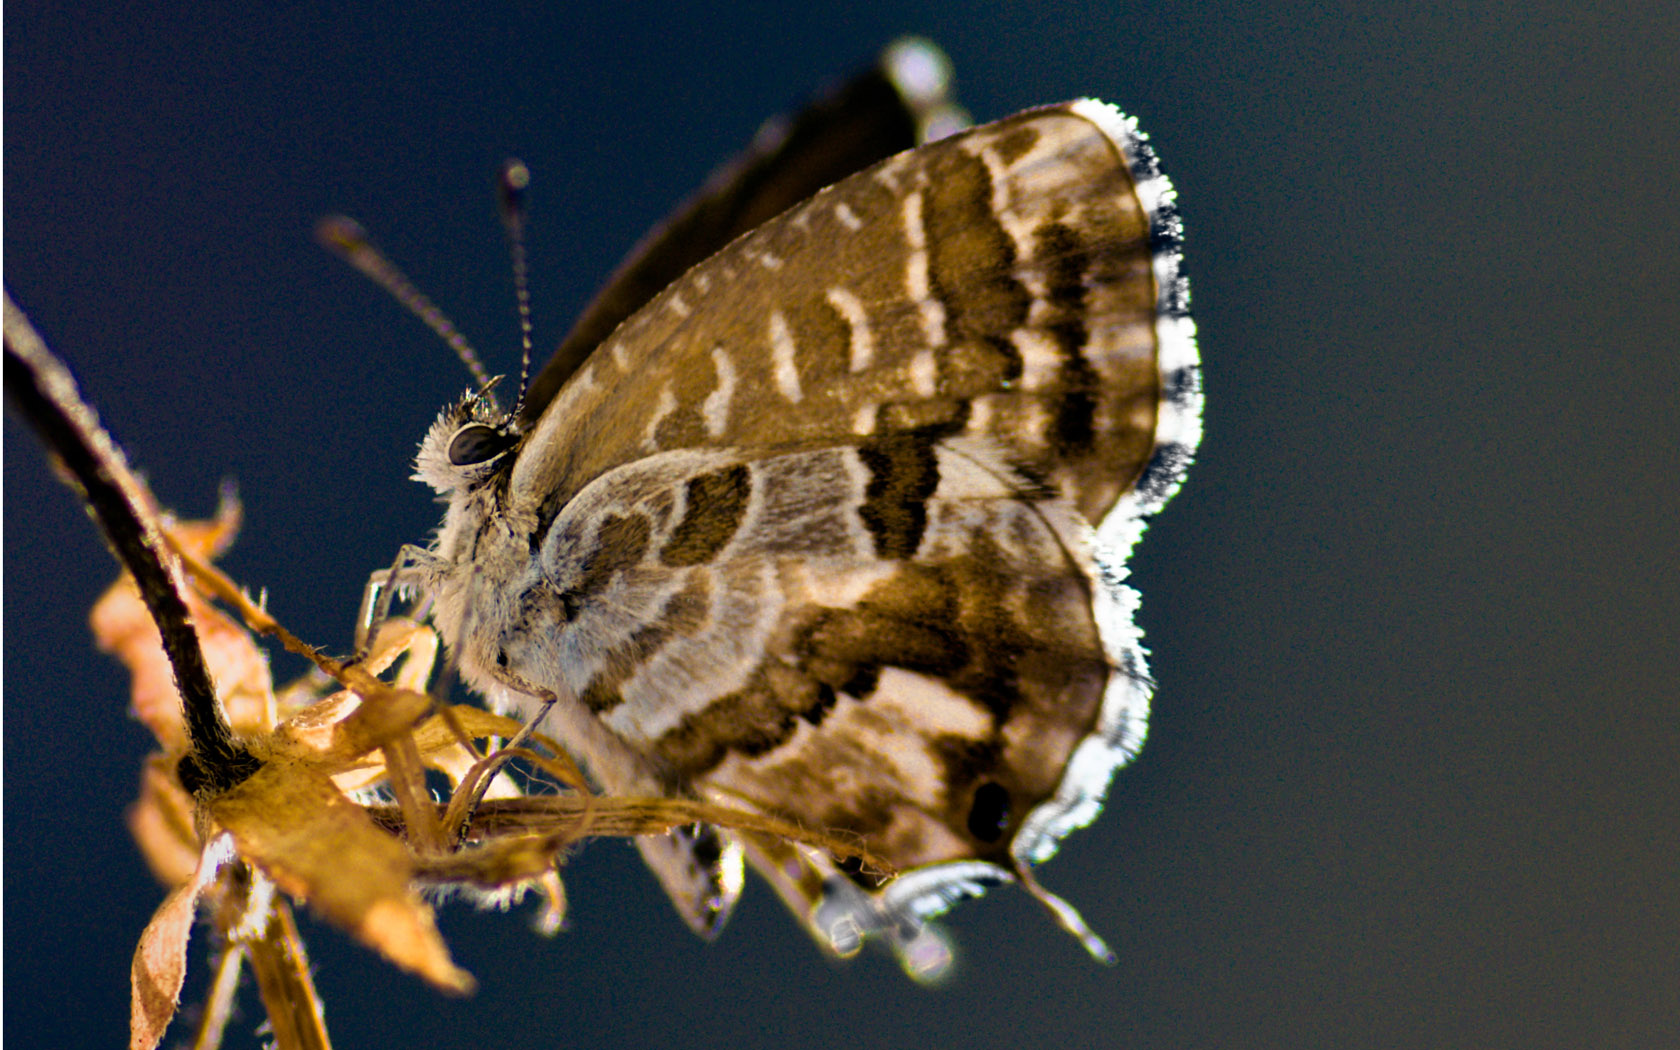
(291, 821)
(310, 735)
(124, 627)
(385, 714)
(161, 822)
(160, 961)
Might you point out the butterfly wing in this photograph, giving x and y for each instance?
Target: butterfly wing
(852, 553)
(1000, 283)
(899, 102)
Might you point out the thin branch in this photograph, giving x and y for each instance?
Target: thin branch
(44, 392)
(281, 967)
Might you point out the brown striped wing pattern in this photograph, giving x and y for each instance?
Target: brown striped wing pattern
(834, 527)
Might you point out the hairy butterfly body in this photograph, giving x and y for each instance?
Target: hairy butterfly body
(834, 526)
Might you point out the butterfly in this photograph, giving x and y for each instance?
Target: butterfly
(822, 510)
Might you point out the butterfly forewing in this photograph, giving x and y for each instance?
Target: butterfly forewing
(995, 283)
(899, 102)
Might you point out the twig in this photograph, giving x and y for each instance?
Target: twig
(44, 392)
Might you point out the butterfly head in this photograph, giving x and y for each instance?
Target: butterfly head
(469, 441)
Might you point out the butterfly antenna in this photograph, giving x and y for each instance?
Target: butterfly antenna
(345, 238)
(510, 186)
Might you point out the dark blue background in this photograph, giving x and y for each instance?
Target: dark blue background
(1414, 776)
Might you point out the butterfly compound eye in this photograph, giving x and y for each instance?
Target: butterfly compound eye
(477, 443)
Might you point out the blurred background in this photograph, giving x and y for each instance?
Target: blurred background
(1413, 778)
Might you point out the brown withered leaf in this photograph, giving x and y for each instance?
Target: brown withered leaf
(160, 961)
(161, 821)
(358, 865)
(292, 822)
(123, 627)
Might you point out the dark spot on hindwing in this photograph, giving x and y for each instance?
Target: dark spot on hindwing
(683, 613)
(988, 816)
(620, 543)
(973, 770)
(714, 506)
(903, 474)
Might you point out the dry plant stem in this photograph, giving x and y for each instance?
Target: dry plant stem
(257, 619)
(401, 754)
(281, 968)
(575, 817)
(218, 1005)
(43, 390)
(407, 776)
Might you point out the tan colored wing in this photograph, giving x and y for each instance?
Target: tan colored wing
(835, 527)
(899, 102)
(997, 284)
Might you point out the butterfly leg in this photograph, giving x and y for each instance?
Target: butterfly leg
(841, 915)
(381, 590)
(699, 867)
(846, 916)
(505, 753)
(1066, 915)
